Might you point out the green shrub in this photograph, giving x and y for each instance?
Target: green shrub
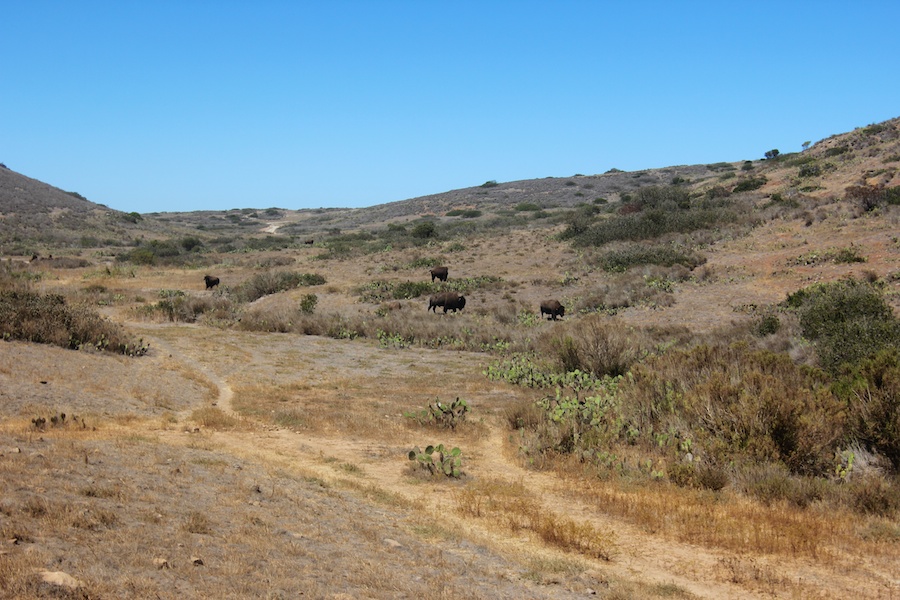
(849, 320)
(424, 263)
(49, 319)
(424, 230)
(768, 325)
(810, 171)
(837, 151)
(737, 405)
(631, 255)
(892, 195)
(748, 185)
(876, 128)
(139, 256)
(652, 212)
(847, 255)
(380, 290)
(272, 282)
(308, 303)
(412, 289)
(190, 243)
(871, 390)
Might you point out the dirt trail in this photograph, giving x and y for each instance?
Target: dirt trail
(637, 555)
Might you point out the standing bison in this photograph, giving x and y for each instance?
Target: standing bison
(439, 273)
(552, 308)
(211, 282)
(447, 300)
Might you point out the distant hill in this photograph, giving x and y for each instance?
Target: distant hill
(35, 215)
(865, 156)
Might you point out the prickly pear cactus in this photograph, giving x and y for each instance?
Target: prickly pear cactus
(437, 459)
(449, 415)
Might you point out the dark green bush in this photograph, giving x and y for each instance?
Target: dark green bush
(413, 289)
(768, 325)
(892, 195)
(837, 151)
(424, 230)
(810, 171)
(849, 320)
(622, 259)
(748, 185)
(651, 212)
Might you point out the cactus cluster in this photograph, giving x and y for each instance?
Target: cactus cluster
(437, 459)
(441, 414)
(449, 415)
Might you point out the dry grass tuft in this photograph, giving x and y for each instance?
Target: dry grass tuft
(513, 507)
(214, 418)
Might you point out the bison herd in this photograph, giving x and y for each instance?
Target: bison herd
(448, 301)
(452, 301)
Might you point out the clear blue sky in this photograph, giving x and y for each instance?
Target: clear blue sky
(178, 105)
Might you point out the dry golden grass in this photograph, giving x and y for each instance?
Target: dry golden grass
(513, 507)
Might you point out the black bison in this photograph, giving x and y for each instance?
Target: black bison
(211, 282)
(447, 300)
(552, 308)
(309, 242)
(439, 273)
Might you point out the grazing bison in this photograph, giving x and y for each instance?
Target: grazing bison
(439, 273)
(552, 308)
(211, 282)
(447, 300)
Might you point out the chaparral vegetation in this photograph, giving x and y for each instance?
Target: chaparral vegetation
(712, 408)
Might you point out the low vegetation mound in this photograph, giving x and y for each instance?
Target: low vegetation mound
(50, 319)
